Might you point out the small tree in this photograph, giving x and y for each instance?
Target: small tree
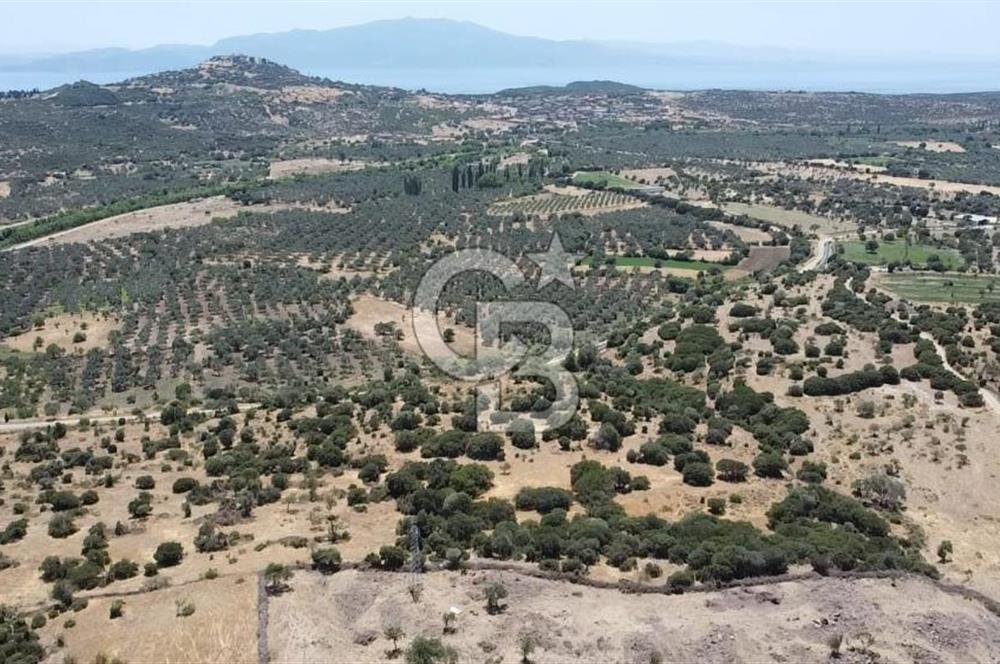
(275, 577)
(326, 560)
(448, 618)
(834, 642)
(393, 633)
(495, 592)
(881, 492)
(944, 551)
(527, 645)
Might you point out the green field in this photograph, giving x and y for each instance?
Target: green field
(673, 264)
(897, 250)
(957, 288)
(881, 160)
(603, 179)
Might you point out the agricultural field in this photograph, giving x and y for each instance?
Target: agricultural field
(788, 218)
(603, 179)
(943, 288)
(901, 252)
(669, 264)
(550, 204)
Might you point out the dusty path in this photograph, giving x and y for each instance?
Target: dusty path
(822, 252)
(989, 397)
(14, 426)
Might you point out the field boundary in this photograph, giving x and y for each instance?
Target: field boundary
(263, 653)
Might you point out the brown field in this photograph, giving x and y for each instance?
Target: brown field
(760, 259)
(745, 233)
(175, 215)
(61, 328)
(650, 175)
(932, 146)
(223, 628)
(312, 166)
(370, 310)
(879, 620)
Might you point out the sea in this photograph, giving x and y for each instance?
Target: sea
(873, 77)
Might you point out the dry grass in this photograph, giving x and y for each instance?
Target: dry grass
(793, 621)
(932, 146)
(371, 310)
(747, 234)
(176, 215)
(822, 172)
(61, 329)
(223, 628)
(312, 166)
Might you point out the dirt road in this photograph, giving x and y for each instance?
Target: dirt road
(822, 252)
(15, 426)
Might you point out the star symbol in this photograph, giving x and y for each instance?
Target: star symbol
(556, 264)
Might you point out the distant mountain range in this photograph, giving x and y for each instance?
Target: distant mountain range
(401, 52)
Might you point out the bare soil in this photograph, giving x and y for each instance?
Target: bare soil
(932, 146)
(897, 621)
(176, 215)
(312, 166)
(61, 329)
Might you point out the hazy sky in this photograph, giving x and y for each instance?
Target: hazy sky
(958, 28)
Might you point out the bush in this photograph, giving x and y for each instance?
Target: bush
(654, 453)
(423, 650)
(485, 446)
(61, 526)
(717, 506)
(326, 560)
(391, 557)
(606, 438)
(184, 484)
(473, 479)
(14, 531)
(543, 499)
(145, 483)
(769, 464)
(731, 470)
(680, 581)
(522, 436)
(122, 569)
(881, 492)
(697, 473)
(168, 554)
